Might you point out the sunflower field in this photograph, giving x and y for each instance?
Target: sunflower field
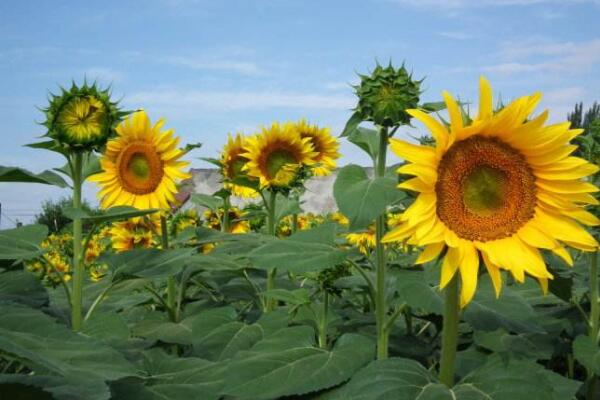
(464, 267)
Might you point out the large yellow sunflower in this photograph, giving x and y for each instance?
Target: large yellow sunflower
(276, 154)
(501, 187)
(141, 165)
(232, 163)
(324, 144)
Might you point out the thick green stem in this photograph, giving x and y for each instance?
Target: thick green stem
(78, 266)
(323, 321)
(225, 223)
(594, 321)
(271, 303)
(449, 333)
(171, 286)
(380, 299)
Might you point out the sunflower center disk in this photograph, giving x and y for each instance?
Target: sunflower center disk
(277, 160)
(485, 190)
(140, 168)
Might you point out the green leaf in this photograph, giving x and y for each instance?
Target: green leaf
(285, 206)
(352, 124)
(414, 289)
(22, 243)
(51, 145)
(324, 234)
(204, 200)
(15, 174)
(587, 353)
(117, 213)
(362, 199)
(107, 325)
(148, 263)
(294, 297)
(191, 146)
(394, 378)
(225, 341)
(287, 364)
(47, 347)
(45, 387)
(510, 312)
(296, 256)
(367, 140)
(433, 106)
(22, 287)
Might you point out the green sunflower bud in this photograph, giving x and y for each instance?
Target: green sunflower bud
(386, 94)
(82, 118)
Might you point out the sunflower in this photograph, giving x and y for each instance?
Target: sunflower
(139, 232)
(502, 187)
(364, 241)
(325, 145)
(140, 166)
(82, 117)
(276, 155)
(236, 223)
(232, 164)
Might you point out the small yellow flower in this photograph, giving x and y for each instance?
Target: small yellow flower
(232, 166)
(324, 144)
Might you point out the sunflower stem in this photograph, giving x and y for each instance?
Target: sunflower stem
(323, 321)
(225, 223)
(78, 266)
(271, 303)
(380, 299)
(449, 333)
(171, 286)
(594, 320)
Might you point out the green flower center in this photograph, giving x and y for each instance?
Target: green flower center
(139, 166)
(277, 160)
(484, 190)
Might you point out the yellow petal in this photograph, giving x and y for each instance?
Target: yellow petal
(486, 107)
(456, 120)
(450, 265)
(413, 152)
(438, 131)
(430, 252)
(469, 269)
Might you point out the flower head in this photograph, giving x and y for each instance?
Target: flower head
(500, 187)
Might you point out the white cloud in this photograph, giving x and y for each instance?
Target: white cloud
(248, 100)
(242, 67)
(102, 74)
(549, 57)
(456, 35)
(568, 95)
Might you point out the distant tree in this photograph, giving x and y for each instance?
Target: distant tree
(589, 121)
(52, 214)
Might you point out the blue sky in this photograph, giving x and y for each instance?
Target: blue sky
(213, 67)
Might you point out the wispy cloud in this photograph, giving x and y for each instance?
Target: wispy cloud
(456, 35)
(247, 100)
(217, 64)
(549, 57)
(106, 75)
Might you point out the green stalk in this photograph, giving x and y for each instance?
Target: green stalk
(78, 266)
(225, 223)
(323, 322)
(449, 332)
(271, 303)
(380, 301)
(594, 321)
(171, 287)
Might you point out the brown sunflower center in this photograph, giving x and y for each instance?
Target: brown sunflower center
(140, 168)
(485, 189)
(278, 159)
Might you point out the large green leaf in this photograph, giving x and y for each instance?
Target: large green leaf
(156, 327)
(50, 348)
(287, 363)
(22, 243)
(362, 199)
(48, 387)
(414, 289)
(510, 312)
(22, 287)
(148, 263)
(225, 341)
(15, 174)
(172, 378)
(285, 206)
(405, 379)
(117, 213)
(296, 256)
(352, 124)
(587, 353)
(367, 140)
(204, 200)
(394, 378)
